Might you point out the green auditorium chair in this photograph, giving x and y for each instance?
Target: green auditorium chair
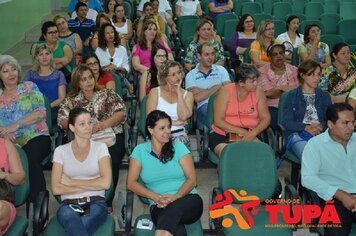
(220, 20)
(281, 9)
(345, 29)
(298, 6)
(331, 40)
(330, 21)
(261, 16)
(251, 8)
(313, 10)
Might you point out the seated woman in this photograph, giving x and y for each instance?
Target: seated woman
(312, 48)
(264, 39)
(161, 160)
(51, 82)
(240, 110)
(107, 109)
(62, 52)
(188, 8)
(172, 99)
(72, 39)
(101, 19)
(23, 120)
(109, 8)
(112, 56)
(80, 175)
(292, 35)
(305, 107)
(203, 33)
(104, 79)
(157, 19)
(339, 78)
(12, 171)
(141, 52)
(122, 25)
(242, 38)
(217, 7)
(149, 78)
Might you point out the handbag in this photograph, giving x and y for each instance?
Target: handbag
(106, 136)
(7, 191)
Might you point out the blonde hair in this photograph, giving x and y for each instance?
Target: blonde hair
(164, 69)
(260, 34)
(38, 49)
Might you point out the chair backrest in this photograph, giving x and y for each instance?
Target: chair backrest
(205, 7)
(295, 57)
(279, 27)
(22, 191)
(331, 6)
(246, 56)
(229, 29)
(306, 22)
(313, 10)
(347, 10)
(181, 19)
(238, 6)
(211, 102)
(251, 7)
(281, 9)
(249, 166)
(298, 6)
(142, 118)
(331, 40)
(221, 19)
(344, 28)
(118, 84)
(261, 16)
(330, 22)
(187, 32)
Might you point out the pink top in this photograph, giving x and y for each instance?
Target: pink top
(5, 164)
(269, 79)
(242, 114)
(145, 54)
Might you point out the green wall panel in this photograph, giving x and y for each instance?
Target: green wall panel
(19, 16)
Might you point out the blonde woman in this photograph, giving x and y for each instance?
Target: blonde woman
(264, 39)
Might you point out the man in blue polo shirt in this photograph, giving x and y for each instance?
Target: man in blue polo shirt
(329, 166)
(205, 79)
(81, 24)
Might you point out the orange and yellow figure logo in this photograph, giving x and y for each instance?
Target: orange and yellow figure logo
(223, 207)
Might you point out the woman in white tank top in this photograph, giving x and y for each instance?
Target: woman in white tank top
(172, 99)
(122, 25)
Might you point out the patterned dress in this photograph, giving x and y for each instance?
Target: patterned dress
(334, 83)
(28, 99)
(102, 106)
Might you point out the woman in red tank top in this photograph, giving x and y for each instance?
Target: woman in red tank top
(239, 109)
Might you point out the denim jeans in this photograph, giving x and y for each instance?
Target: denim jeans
(76, 224)
(298, 145)
(202, 114)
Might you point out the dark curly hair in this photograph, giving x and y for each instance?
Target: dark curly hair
(167, 151)
(101, 36)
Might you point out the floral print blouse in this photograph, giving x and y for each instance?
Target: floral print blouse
(28, 99)
(334, 83)
(102, 106)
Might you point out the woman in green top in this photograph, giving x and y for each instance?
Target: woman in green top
(62, 52)
(167, 171)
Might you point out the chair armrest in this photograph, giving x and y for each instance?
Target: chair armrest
(40, 213)
(129, 210)
(281, 139)
(215, 223)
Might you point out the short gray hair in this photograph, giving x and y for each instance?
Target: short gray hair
(7, 59)
(246, 71)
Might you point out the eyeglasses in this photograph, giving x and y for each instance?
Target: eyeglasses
(52, 32)
(248, 21)
(93, 64)
(163, 56)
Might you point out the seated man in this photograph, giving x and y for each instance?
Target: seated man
(91, 12)
(92, 4)
(328, 165)
(81, 24)
(163, 7)
(205, 79)
(276, 78)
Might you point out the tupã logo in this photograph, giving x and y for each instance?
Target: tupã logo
(223, 207)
